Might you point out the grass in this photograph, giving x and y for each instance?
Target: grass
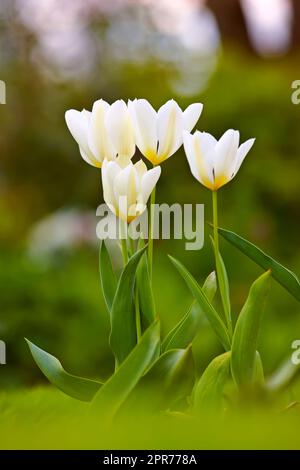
(43, 418)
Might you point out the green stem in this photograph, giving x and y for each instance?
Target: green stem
(218, 261)
(123, 241)
(136, 298)
(151, 232)
(137, 315)
(215, 223)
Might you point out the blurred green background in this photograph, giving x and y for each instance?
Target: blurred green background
(240, 60)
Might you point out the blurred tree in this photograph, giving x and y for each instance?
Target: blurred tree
(231, 22)
(296, 25)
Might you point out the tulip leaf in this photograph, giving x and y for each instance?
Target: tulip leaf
(223, 282)
(146, 298)
(123, 328)
(210, 390)
(258, 372)
(76, 387)
(283, 376)
(107, 276)
(116, 390)
(169, 380)
(284, 276)
(244, 342)
(206, 306)
(187, 328)
(210, 286)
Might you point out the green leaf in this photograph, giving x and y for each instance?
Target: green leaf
(116, 390)
(244, 342)
(283, 376)
(107, 276)
(169, 380)
(146, 298)
(211, 314)
(258, 373)
(210, 286)
(187, 328)
(210, 390)
(76, 387)
(284, 276)
(123, 328)
(223, 282)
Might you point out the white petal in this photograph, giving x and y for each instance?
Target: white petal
(225, 156)
(242, 152)
(148, 182)
(98, 138)
(170, 126)
(120, 128)
(204, 148)
(190, 154)
(123, 161)
(191, 116)
(78, 123)
(144, 119)
(140, 168)
(125, 185)
(109, 172)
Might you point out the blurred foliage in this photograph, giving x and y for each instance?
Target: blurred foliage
(47, 419)
(59, 305)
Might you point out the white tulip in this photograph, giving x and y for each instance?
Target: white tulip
(103, 133)
(215, 162)
(127, 186)
(159, 134)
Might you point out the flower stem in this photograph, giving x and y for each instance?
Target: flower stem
(137, 314)
(221, 271)
(123, 236)
(136, 297)
(151, 232)
(215, 223)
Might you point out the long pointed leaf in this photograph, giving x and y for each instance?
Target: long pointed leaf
(146, 298)
(223, 283)
(211, 314)
(107, 276)
(116, 390)
(169, 380)
(76, 387)
(284, 276)
(123, 329)
(244, 342)
(187, 328)
(210, 389)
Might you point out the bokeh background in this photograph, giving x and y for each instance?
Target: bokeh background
(237, 57)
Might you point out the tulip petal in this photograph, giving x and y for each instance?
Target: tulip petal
(144, 118)
(77, 123)
(141, 168)
(125, 189)
(225, 157)
(190, 154)
(119, 125)
(204, 148)
(191, 116)
(109, 172)
(98, 138)
(241, 154)
(148, 182)
(170, 125)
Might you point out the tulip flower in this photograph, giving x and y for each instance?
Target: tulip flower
(103, 133)
(127, 186)
(215, 162)
(159, 134)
